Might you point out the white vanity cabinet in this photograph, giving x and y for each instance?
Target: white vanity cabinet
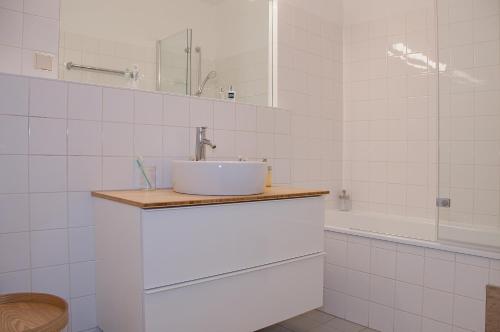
(232, 267)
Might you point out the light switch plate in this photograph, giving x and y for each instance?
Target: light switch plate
(43, 61)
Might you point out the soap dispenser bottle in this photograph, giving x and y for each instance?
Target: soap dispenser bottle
(269, 174)
(344, 201)
(231, 94)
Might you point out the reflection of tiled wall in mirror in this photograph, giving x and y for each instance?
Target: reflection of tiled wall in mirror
(28, 28)
(91, 51)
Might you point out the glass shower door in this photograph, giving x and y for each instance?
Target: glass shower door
(469, 122)
(174, 63)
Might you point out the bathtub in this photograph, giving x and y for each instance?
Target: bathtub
(373, 259)
(415, 231)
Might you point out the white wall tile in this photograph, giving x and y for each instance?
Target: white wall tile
(47, 136)
(471, 281)
(282, 121)
(10, 59)
(429, 325)
(246, 144)
(334, 303)
(148, 140)
(494, 277)
(410, 268)
(118, 105)
(265, 119)
(15, 251)
(80, 209)
(13, 134)
(281, 171)
(406, 322)
(469, 313)
(51, 280)
(82, 279)
(409, 297)
(336, 251)
(49, 247)
(40, 33)
(81, 244)
(14, 213)
(176, 111)
(48, 211)
(440, 254)
(335, 277)
(381, 318)
(84, 173)
(225, 144)
(382, 290)
(117, 139)
(14, 95)
(282, 146)
(473, 260)
(16, 5)
(48, 98)
(246, 117)
(148, 108)
(84, 138)
(83, 313)
(358, 284)
(438, 305)
(117, 173)
(48, 8)
(11, 27)
(383, 262)
(47, 173)
(84, 102)
(201, 113)
(224, 115)
(439, 274)
(176, 141)
(14, 177)
(15, 282)
(265, 145)
(357, 310)
(358, 257)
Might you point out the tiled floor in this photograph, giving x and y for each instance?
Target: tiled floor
(316, 321)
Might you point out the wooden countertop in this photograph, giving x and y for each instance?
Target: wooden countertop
(167, 198)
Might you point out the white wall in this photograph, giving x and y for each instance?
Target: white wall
(310, 85)
(28, 26)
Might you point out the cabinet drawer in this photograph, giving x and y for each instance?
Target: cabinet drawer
(260, 298)
(185, 244)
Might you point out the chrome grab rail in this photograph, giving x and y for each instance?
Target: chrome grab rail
(132, 74)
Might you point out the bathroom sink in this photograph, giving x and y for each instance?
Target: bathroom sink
(219, 177)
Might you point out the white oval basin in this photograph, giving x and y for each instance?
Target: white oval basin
(219, 177)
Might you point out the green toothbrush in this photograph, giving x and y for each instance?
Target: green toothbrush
(140, 163)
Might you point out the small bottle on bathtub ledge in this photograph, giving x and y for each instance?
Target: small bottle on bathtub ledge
(344, 201)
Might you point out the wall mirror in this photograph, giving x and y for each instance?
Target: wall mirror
(192, 47)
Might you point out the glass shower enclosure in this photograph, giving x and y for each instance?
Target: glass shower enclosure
(173, 63)
(469, 122)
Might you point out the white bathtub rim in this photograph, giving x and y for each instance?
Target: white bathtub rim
(415, 242)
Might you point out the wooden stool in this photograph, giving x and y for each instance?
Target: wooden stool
(32, 312)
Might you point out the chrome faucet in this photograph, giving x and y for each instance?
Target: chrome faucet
(201, 143)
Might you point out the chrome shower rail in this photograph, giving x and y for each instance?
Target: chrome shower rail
(126, 73)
